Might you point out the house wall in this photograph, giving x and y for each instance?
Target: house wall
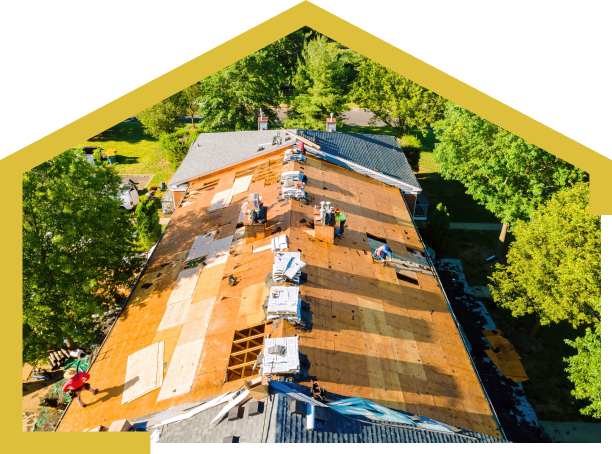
(410, 202)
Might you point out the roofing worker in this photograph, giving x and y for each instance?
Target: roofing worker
(77, 383)
(341, 218)
(383, 254)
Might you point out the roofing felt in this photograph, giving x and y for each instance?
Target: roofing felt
(215, 150)
(373, 335)
(376, 152)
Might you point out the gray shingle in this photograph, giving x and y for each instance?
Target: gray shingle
(215, 150)
(376, 152)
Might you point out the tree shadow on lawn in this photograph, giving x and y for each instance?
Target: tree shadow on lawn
(452, 194)
(130, 132)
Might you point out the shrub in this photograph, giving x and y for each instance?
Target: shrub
(410, 143)
(147, 220)
(438, 224)
(176, 145)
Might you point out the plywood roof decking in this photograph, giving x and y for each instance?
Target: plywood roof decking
(373, 336)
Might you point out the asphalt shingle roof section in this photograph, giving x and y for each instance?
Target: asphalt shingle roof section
(277, 424)
(214, 150)
(376, 152)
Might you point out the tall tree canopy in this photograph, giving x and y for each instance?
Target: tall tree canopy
(508, 175)
(585, 370)
(395, 100)
(232, 97)
(192, 101)
(319, 82)
(78, 251)
(161, 118)
(553, 265)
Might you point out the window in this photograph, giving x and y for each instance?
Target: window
(247, 344)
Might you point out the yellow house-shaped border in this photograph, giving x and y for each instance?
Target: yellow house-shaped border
(304, 14)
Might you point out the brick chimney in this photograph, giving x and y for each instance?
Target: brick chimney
(262, 123)
(330, 124)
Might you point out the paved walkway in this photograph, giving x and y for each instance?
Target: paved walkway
(572, 432)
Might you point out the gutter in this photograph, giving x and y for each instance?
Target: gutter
(93, 360)
(463, 338)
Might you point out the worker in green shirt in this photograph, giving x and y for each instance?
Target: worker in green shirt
(340, 218)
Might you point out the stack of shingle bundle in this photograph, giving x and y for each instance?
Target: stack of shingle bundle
(287, 267)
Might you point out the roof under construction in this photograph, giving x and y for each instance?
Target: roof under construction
(380, 333)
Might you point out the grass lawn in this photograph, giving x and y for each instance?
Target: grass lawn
(137, 151)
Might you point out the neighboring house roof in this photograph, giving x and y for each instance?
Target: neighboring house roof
(381, 153)
(374, 333)
(215, 150)
(378, 153)
(276, 423)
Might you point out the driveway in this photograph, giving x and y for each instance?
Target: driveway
(141, 181)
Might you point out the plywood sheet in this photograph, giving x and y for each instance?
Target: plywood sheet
(201, 245)
(144, 372)
(182, 370)
(198, 318)
(185, 284)
(242, 214)
(242, 184)
(219, 252)
(175, 314)
(221, 200)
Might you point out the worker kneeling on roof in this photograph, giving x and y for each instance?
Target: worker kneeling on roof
(383, 253)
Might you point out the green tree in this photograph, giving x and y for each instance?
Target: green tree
(176, 145)
(162, 117)
(438, 225)
(192, 95)
(147, 220)
(319, 83)
(232, 97)
(585, 370)
(508, 175)
(398, 102)
(78, 252)
(553, 265)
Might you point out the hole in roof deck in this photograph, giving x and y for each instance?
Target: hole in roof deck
(410, 280)
(146, 285)
(376, 238)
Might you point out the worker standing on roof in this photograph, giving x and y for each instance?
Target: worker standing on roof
(340, 218)
(77, 383)
(384, 254)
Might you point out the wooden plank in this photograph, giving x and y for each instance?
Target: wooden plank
(181, 371)
(241, 185)
(221, 200)
(197, 320)
(219, 252)
(144, 372)
(185, 285)
(201, 245)
(175, 314)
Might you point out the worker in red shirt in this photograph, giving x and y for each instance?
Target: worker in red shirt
(77, 383)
